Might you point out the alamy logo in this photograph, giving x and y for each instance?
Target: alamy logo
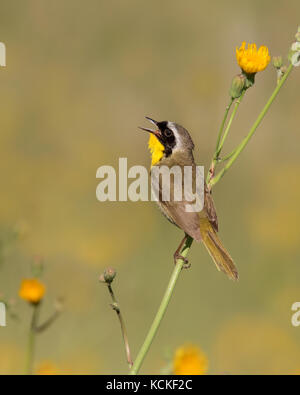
(2, 314)
(296, 315)
(168, 184)
(2, 55)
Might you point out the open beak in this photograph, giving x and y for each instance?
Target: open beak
(156, 132)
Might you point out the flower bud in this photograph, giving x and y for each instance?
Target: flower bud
(295, 59)
(237, 86)
(283, 70)
(295, 47)
(297, 36)
(294, 54)
(108, 276)
(277, 62)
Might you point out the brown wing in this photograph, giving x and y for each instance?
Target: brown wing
(176, 211)
(210, 209)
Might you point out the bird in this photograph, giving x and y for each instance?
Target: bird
(170, 144)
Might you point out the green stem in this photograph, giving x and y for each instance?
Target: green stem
(162, 309)
(41, 328)
(223, 123)
(225, 158)
(238, 102)
(31, 341)
(215, 159)
(116, 308)
(246, 140)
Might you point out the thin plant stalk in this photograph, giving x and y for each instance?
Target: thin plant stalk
(31, 341)
(215, 158)
(34, 330)
(258, 121)
(236, 106)
(223, 124)
(227, 157)
(116, 308)
(162, 309)
(222, 137)
(48, 323)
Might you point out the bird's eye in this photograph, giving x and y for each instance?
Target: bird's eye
(168, 133)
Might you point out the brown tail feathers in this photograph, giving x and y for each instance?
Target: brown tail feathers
(217, 251)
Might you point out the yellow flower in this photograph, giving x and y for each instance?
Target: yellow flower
(252, 60)
(47, 369)
(32, 290)
(190, 360)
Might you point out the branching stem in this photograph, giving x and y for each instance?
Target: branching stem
(116, 308)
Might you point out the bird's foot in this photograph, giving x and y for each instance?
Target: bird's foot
(186, 264)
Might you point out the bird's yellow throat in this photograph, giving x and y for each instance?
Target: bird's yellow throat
(156, 149)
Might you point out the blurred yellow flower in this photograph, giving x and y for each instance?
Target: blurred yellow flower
(32, 290)
(47, 369)
(190, 360)
(252, 60)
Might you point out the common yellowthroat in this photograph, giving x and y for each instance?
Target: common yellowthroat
(171, 145)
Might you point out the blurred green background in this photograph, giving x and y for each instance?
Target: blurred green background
(80, 78)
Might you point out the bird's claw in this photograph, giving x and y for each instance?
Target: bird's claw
(186, 264)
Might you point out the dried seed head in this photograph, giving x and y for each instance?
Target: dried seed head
(108, 276)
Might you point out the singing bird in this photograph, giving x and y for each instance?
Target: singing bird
(171, 145)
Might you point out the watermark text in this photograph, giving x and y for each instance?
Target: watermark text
(296, 315)
(168, 184)
(2, 314)
(2, 55)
